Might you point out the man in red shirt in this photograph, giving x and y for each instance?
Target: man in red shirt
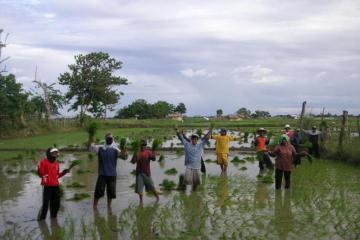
(49, 171)
(143, 173)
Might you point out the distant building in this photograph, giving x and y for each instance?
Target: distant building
(175, 116)
(234, 117)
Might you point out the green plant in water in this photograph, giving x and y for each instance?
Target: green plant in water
(83, 171)
(135, 146)
(236, 159)
(243, 168)
(75, 185)
(171, 171)
(79, 197)
(168, 185)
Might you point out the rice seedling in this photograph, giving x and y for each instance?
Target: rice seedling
(83, 171)
(75, 185)
(236, 159)
(79, 197)
(161, 158)
(243, 168)
(75, 163)
(210, 161)
(156, 144)
(171, 171)
(168, 185)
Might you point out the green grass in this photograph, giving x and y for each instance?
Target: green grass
(79, 197)
(171, 171)
(75, 185)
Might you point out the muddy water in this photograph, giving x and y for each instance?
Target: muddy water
(323, 203)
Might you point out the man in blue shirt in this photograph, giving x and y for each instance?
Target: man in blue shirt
(193, 152)
(107, 157)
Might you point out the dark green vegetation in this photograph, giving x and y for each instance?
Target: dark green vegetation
(168, 185)
(171, 171)
(143, 110)
(79, 197)
(75, 185)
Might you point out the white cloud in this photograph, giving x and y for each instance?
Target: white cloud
(354, 76)
(189, 72)
(320, 75)
(256, 74)
(49, 15)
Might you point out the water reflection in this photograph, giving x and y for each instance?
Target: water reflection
(284, 219)
(54, 232)
(261, 195)
(144, 222)
(106, 228)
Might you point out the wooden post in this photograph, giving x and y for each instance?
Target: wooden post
(342, 130)
(358, 125)
(302, 114)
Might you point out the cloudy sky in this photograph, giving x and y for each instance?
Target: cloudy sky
(260, 54)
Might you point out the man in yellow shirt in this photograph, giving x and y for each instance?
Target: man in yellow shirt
(222, 148)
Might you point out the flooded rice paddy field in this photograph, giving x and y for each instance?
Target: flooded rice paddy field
(324, 203)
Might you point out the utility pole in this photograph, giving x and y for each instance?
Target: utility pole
(3, 45)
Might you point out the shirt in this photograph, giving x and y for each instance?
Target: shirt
(222, 143)
(284, 156)
(49, 172)
(260, 143)
(313, 136)
(107, 156)
(193, 153)
(142, 160)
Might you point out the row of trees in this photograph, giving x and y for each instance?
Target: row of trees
(143, 110)
(246, 113)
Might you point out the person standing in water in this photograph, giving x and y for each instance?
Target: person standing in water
(193, 152)
(261, 143)
(143, 173)
(222, 149)
(49, 171)
(107, 159)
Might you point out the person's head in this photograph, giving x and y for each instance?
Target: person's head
(109, 139)
(287, 127)
(284, 139)
(313, 128)
(52, 154)
(262, 131)
(143, 143)
(194, 139)
(223, 132)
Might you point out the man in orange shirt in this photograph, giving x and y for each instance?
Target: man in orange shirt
(261, 143)
(222, 148)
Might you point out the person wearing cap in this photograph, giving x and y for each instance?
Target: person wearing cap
(143, 173)
(193, 152)
(289, 132)
(222, 148)
(203, 167)
(261, 143)
(314, 137)
(49, 171)
(284, 153)
(107, 161)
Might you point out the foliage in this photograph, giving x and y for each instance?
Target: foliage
(260, 114)
(91, 129)
(91, 83)
(75, 185)
(156, 144)
(142, 110)
(180, 108)
(219, 112)
(244, 112)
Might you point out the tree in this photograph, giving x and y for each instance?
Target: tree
(244, 112)
(90, 83)
(13, 100)
(139, 108)
(261, 114)
(161, 109)
(219, 112)
(180, 108)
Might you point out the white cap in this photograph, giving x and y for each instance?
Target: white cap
(287, 126)
(54, 150)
